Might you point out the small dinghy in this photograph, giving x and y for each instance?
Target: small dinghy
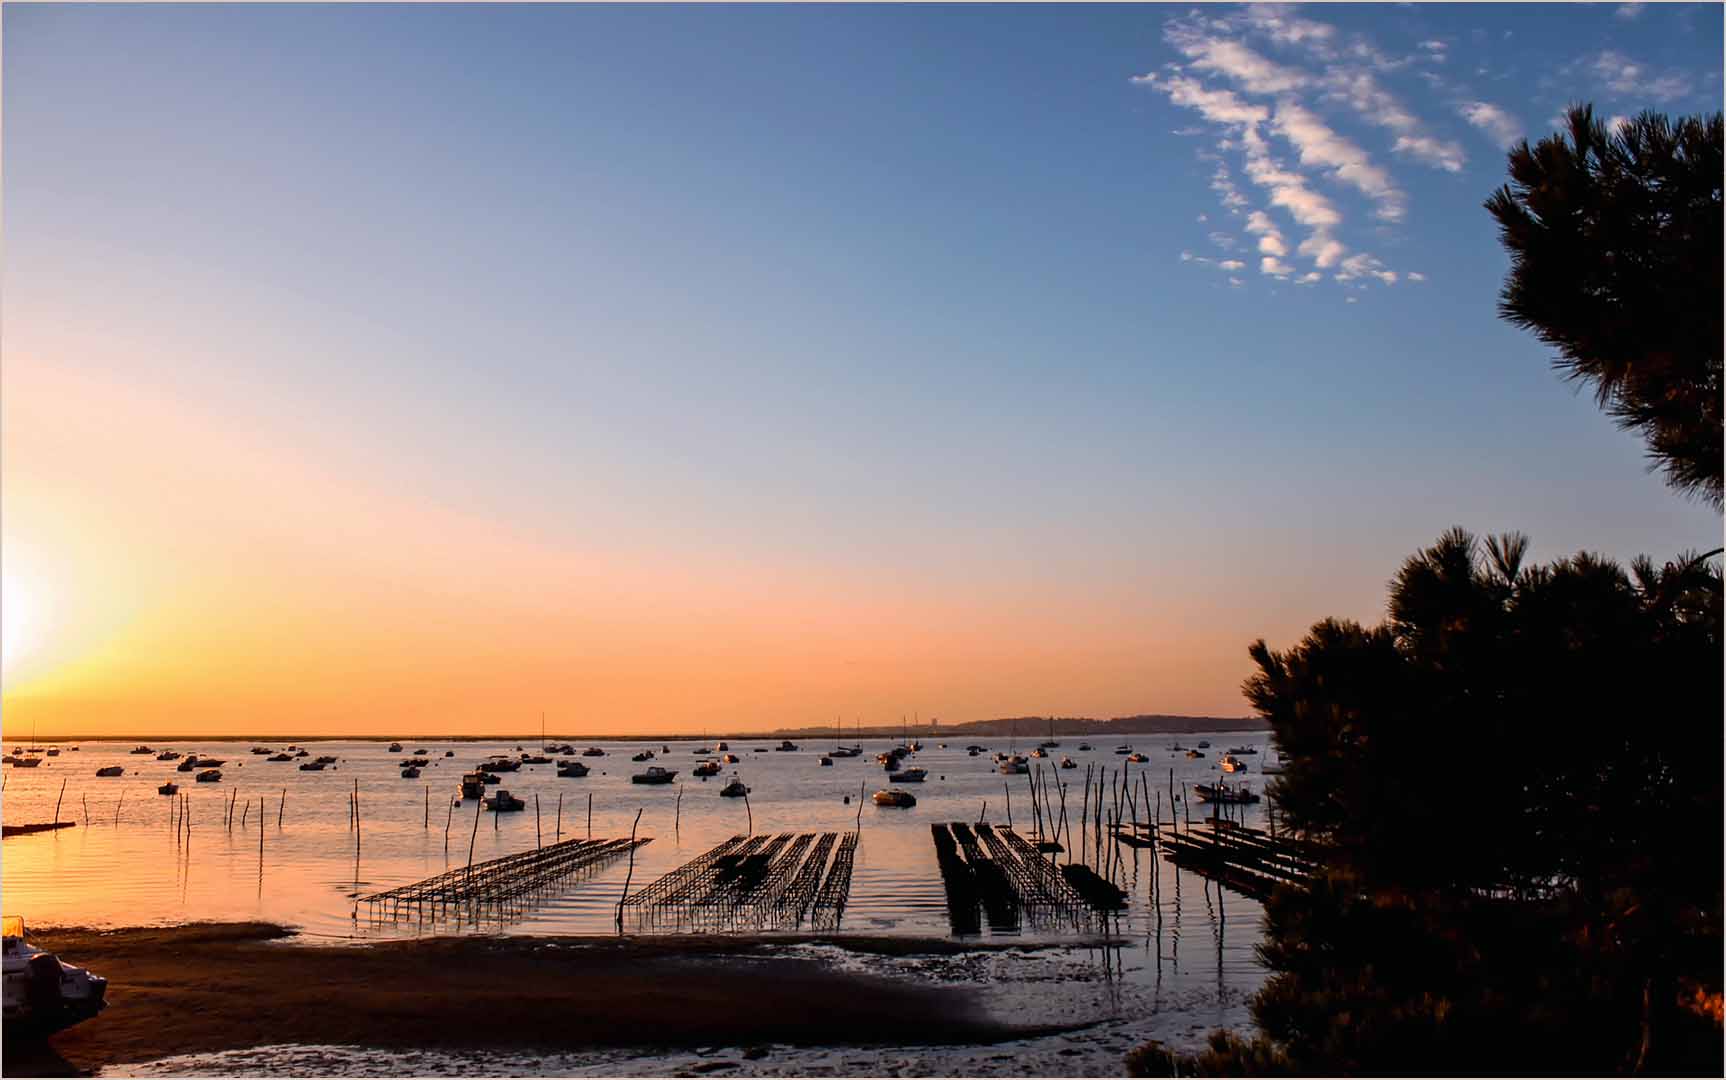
(111, 770)
(44, 994)
(1195, 753)
(729, 759)
(895, 797)
(825, 760)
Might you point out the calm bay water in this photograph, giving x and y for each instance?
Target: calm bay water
(1181, 954)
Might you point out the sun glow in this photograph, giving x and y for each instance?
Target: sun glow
(19, 616)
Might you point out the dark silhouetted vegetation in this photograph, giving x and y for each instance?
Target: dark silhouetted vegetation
(1615, 241)
(1517, 778)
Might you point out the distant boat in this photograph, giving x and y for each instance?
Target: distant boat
(169, 788)
(312, 766)
(535, 759)
(280, 757)
(825, 760)
(1223, 793)
(210, 776)
(654, 775)
(260, 750)
(472, 785)
(1014, 764)
(26, 762)
(786, 744)
(142, 750)
(1243, 750)
(593, 751)
(189, 764)
(167, 755)
(1230, 763)
(1039, 752)
(645, 755)
(729, 759)
(1068, 763)
(721, 747)
(1204, 744)
(446, 753)
(1123, 750)
(707, 768)
(502, 802)
(1194, 754)
(500, 765)
(1136, 756)
(396, 748)
(111, 770)
(908, 776)
(572, 770)
(1084, 746)
(895, 797)
(734, 790)
(412, 772)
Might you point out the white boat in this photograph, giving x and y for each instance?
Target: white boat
(895, 797)
(43, 994)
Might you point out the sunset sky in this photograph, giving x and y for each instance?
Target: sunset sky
(421, 369)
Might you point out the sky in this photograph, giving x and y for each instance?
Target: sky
(375, 369)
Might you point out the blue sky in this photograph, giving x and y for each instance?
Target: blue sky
(1185, 311)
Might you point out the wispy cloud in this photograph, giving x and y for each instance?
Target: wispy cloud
(1629, 11)
(1320, 146)
(1497, 123)
(1623, 75)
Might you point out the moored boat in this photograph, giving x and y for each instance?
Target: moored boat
(1137, 757)
(473, 785)
(735, 789)
(573, 770)
(654, 775)
(411, 773)
(141, 750)
(593, 751)
(645, 755)
(503, 802)
(1068, 763)
(1195, 754)
(908, 776)
(170, 788)
(210, 776)
(706, 769)
(280, 757)
(395, 748)
(167, 755)
(1013, 764)
(1230, 763)
(1223, 793)
(111, 770)
(311, 766)
(895, 797)
(786, 744)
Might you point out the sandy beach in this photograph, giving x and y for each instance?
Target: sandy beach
(226, 986)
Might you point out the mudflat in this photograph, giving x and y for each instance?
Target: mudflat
(223, 986)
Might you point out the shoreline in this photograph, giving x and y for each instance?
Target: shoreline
(211, 987)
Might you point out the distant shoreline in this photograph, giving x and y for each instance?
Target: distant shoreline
(1026, 728)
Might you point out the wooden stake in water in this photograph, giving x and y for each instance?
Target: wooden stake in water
(356, 818)
(281, 808)
(260, 835)
(537, 841)
(677, 819)
(557, 835)
(117, 806)
(427, 823)
(447, 818)
(57, 802)
(245, 815)
(86, 798)
(590, 815)
(478, 804)
(1008, 784)
(861, 788)
(630, 876)
(748, 811)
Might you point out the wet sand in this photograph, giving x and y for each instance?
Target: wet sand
(227, 986)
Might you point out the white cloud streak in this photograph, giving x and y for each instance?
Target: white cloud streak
(1497, 123)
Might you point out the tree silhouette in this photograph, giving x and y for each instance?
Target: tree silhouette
(1615, 242)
